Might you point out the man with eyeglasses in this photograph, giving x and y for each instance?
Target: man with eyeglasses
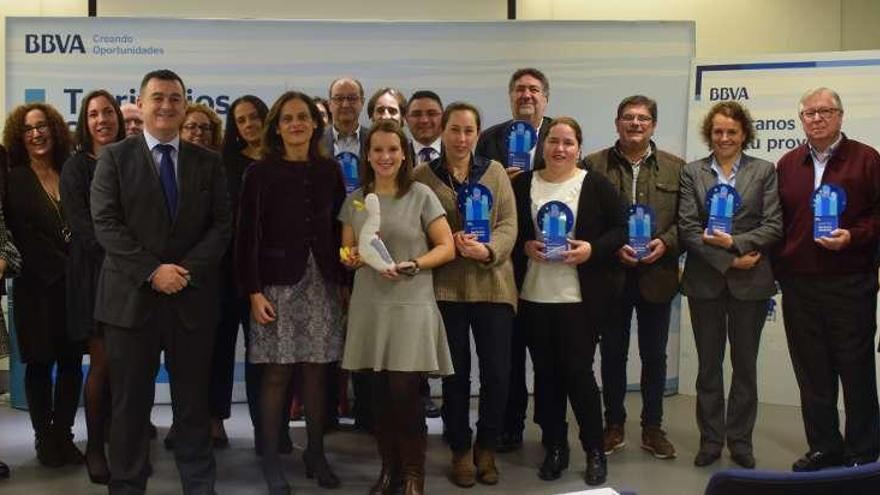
(529, 92)
(646, 175)
(133, 119)
(423, 116)
(829, 285)
(346, 97)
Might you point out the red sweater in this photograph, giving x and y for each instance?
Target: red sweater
(855, 167)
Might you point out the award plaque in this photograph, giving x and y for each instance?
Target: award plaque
(521, 138)
(722, 202)
(475, 204)
(348, 163)
(641, 228)
(829, 201)
(555, 221)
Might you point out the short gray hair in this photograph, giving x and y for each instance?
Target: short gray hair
(815, 91)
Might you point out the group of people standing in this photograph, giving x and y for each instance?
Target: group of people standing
(172, 238)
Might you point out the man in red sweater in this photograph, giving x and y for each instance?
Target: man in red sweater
(829, 286)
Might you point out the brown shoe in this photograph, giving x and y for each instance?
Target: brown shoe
(612, 439)
(487, 472)
(654, 441)
(463, 473)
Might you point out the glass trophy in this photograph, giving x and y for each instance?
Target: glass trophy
(555, 222)
(641, 228)
(475, 204)
(521, 139)
(348, 163)
(829, 201)
(722, 203)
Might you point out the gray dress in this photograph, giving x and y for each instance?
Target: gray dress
(395, 325)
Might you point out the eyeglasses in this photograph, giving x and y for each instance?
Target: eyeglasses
(535, 90)
(192, 126)
(825, 113)
(42, 128)
(340, 99)
(431, 114)
(642, 119)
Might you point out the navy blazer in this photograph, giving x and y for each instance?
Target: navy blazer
(133, 226)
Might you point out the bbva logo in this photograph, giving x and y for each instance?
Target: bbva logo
(53, 43)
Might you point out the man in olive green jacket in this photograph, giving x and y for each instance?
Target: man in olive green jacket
(644, 175)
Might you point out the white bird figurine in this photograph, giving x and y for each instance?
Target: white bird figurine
(370, 247)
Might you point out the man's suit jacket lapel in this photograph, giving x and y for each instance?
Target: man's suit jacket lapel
(186, 179)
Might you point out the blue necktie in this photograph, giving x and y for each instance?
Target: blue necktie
(425, 154)
(167, 176)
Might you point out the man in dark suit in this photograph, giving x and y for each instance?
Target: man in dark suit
(424, 114)
(346, 97)
(642, 174)
(529, 92)
(162, 215)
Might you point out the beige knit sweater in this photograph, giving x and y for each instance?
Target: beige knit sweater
(467, 280)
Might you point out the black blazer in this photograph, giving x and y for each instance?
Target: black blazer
(86, 255)
(493, 143)
(600, 220)
(133, 225)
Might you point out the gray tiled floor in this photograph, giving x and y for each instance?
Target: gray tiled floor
(778, 441)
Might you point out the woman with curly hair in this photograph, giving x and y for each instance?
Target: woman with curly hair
(202, 126)
(39, 143)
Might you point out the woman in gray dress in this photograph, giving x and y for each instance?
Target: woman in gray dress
(286, 246)
(394, 327)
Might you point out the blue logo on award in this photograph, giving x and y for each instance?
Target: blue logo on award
(348, 163)
(475, 204)
(829, 201)
(521, 138)
(722, 201)
(641, 227)
(555, 221)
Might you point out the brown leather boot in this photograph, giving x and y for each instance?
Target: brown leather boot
(412, 456)
(389, 477)
(464, 473)
(487, 472)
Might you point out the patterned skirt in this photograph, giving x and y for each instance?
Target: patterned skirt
(309, 324)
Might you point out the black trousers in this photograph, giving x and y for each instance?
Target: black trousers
(517, 392)
(234, 313)
(653, 334)
(132, 360)
(491, 324)
(562, 343)
(715, 322)
(830, 324)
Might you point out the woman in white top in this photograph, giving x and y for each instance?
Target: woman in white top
(562, 297)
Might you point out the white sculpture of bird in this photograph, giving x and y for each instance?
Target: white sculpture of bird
(370, 247)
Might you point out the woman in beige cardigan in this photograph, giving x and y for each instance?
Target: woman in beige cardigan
(476, 291)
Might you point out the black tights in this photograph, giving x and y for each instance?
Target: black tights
(58, 412)
(97, 394)
(274, 398)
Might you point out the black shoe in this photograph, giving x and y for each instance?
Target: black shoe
(597, 467)
(96, 467)
(855, 461)
(816, 460)
(704, 458)
(169, 438)
(4, 470)
(275, 480)
(431, 409)
(317, 467)
(67, 450)
(555, 461)
(47, 449)
(509, 441)
(744, 459)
